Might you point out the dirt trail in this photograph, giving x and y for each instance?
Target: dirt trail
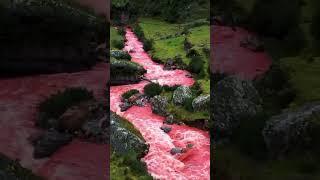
(18, 109)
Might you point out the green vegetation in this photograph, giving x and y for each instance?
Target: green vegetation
(54, 106)
(10, 169)
(128, 167)
(117, 41)
(129, 93)
(290, 37)
(152, 89)
(169, 43)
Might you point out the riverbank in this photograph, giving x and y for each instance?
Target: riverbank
(160, 162)
(19, 100)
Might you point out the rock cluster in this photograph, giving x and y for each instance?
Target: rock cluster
(291, 129)
(181, 95)
(159, 105)
(232, 100)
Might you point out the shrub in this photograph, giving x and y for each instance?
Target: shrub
(187, 44)
(192, 52)
(188, 104)
(169, 88)
(118, 44)
(57, 104)
(152, 89)
(147, 44)
(129, 93)
(275, 89)
(196, 64)
(196, 89)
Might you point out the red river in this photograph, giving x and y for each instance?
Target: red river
(230, 58)
(19, 98)
(195, 163)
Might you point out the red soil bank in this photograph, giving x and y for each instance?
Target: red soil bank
(228, 57)
(193, 165)
(18, 109)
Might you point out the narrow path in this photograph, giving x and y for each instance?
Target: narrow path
(19, 98)
(193, 165)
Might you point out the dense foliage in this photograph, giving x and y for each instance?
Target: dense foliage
(54, 106)
(152, 89)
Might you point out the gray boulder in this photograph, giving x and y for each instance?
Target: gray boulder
(50, 142)
(232, 100)
(291, 129)
(181, 94)
(119, 54)
(123, 140)
(166, 129)
(159, 105)
(201, 103)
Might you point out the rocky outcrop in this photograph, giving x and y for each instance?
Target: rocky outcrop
(125, 72)
(232, 100)
(201, 103)
(181, 95)
(123, 140)
(292, 129)
(50, 142)
(87, 120)
(159, 105)
(121, 55)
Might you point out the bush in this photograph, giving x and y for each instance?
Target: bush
(196, 64)
(129, 93)
(187, 44)
(57, 104)
(188, 105)
(147, 44)
(152, 89)
(169, 88)
(192, 52)
(118, 44)
(275, 89)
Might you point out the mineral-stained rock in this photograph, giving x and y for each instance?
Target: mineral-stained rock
(50, 142)
(232, 100)
(201, 103)
(176, 150)
(123, 140)
(181, 94)
(159, 105)
(121, 55)
(166, 129)
(291, 129)
(169, 120)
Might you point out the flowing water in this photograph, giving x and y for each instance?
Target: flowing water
(19, 98)
(230, 58)
(195, 163)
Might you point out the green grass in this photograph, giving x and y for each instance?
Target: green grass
(230, 162)
(304, 76)
(168, 42)
(127, 167)
(114, 36)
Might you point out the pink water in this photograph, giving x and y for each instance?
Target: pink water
(195, 163)
(228, 57)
